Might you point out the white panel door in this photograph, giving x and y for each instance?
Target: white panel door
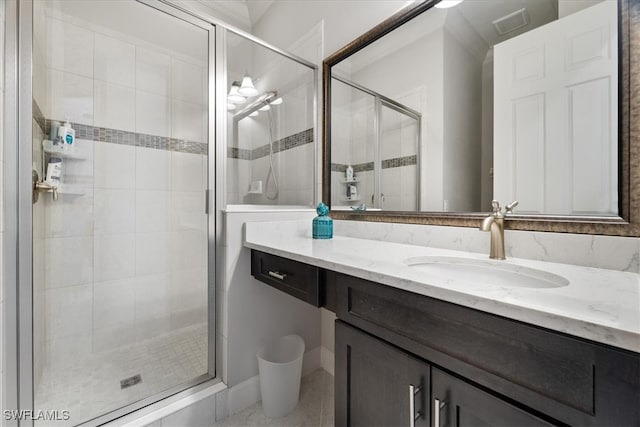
(556, 115)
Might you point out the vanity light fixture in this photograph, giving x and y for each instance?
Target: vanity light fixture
(234, 96)
(231, 106)
(445, 4)
(276, 101)
(247, 88)
(255, 113)
(265, 108)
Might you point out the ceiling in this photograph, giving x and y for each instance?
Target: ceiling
(240, 13)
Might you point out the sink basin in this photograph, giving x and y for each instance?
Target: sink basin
(486, 272)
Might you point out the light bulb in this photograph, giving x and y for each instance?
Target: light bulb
(247, 88)
(255, 113)
(276, 101)
(234, 96)
(230, 106)
(265, 108)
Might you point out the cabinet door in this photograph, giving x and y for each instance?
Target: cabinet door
(378, 384)
(458, 403)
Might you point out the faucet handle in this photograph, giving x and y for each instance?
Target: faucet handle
(495, 205)
(509, 208)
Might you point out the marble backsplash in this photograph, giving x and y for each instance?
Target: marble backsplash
(609, 252)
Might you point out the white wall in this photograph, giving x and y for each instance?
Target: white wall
(250, 313)
(486, 163)
(287, 21)
(567, 7)
(462, 127)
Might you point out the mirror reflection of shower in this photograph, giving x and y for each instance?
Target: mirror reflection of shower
(270, 133)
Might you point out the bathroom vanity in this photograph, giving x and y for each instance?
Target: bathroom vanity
(413, 348)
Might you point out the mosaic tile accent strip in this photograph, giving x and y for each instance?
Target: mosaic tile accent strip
(396, 162)
(337, 167)
(116, 136)
(238, 153)
(292, 141)
(362, 167)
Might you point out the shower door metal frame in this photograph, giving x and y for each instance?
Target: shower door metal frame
(17, 242)
(17, 212)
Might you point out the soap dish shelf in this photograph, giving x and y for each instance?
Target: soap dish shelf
(69, 153)
(350, 181)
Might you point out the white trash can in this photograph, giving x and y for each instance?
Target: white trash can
(280, 367)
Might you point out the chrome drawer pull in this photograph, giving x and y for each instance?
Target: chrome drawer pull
(413, 416)
(277, 275)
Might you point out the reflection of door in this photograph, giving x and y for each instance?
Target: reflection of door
(555, 115)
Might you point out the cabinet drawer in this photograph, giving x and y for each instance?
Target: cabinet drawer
(292, 277)
(547, 371)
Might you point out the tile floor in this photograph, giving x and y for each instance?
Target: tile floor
(314, 409)
(92, 387)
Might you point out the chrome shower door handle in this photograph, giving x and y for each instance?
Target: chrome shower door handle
(45, 187)
(42, 187)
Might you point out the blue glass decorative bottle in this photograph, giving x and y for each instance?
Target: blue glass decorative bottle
(322, 224)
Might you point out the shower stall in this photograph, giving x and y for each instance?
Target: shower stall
(379, 138)
(110, 256)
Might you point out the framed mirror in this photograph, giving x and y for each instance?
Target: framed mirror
(437, 111)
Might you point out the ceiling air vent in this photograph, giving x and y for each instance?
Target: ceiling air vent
(511, 22)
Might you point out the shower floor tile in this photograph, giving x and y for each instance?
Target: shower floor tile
(92, 387)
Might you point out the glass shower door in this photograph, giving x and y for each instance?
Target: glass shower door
(120, 227)
(399, 172)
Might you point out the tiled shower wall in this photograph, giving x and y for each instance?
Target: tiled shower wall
(105, 79)
(125, 246)
(293, 164)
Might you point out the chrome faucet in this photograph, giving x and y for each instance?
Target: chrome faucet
(494, 223)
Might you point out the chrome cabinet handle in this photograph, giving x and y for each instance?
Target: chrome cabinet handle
(413, 415)
(437, 406)
(277, 275)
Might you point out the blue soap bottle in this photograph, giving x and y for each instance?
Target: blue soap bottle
(322, 224)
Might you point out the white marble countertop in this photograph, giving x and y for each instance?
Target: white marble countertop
(597, 304)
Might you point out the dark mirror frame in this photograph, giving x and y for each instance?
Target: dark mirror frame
(627, 224)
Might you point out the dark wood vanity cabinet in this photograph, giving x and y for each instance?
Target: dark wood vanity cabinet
(400, 355)
(381, 385)
(302, 281)
(378, 384)
(476, 369)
